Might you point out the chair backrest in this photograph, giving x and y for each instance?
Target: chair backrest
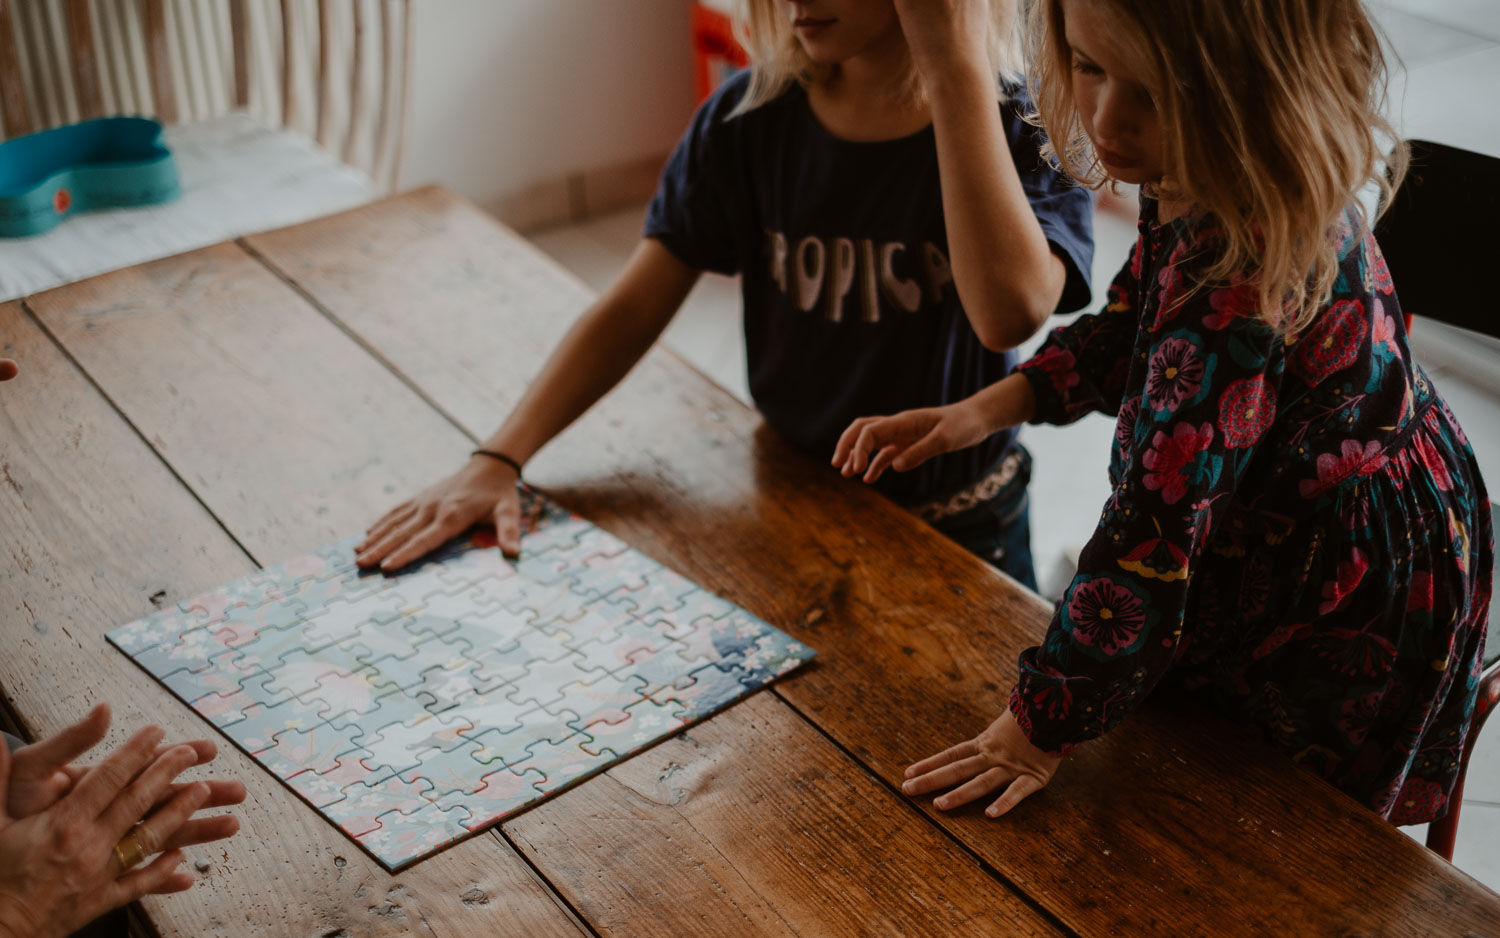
(1441, 231)
(337, 70)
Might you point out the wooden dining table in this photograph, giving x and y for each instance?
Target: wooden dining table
(178, 424)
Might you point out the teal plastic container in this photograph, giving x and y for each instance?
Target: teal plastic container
(110, 162)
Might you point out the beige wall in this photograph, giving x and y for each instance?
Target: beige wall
(535, 107)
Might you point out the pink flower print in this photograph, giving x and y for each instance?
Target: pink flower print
(1418, 801)
(1419, 592)
(1364, 458)
(1383, 330)
(1433, 460)
(1357, 652)
(1246, 410)
(1331, 344)
(1125, 425)
(1175, 375)
(1349, 575)
(1171, 284)
(1358, 714)
(1237, 301)
(1379, 274)
(1169, 456)
(1105, 615)
(1061, 368)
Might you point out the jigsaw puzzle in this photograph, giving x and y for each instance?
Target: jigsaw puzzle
(417, 709)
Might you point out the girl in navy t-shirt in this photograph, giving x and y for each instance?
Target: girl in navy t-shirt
(815, 176)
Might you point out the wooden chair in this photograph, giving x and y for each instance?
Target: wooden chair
(336, 69)
(1440, 232)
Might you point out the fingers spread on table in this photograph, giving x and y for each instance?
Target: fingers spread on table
(963, 750)
(203, 830)
(154, 834)
(101, 786)
(158, 876)
(1018, 790)
(132, 804)
(976, 787)
(385, 525)
(66, 745)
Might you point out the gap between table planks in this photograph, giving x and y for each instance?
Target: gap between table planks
(1160, 827)
(322, 436)
(98, 531)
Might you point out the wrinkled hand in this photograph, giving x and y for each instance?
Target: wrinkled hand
(945, 33)
(999, 758)
(43, 772)
(483, 490)
(906, 440)
(8, 369)
(58, 869)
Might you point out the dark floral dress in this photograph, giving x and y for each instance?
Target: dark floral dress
(1297, 528)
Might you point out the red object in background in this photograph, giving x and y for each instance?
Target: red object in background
(716, 52)
(62, 200)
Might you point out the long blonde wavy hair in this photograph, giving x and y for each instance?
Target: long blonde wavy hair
(1272, 122)
(777, 59)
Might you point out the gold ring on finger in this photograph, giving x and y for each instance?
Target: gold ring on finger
(129, 851)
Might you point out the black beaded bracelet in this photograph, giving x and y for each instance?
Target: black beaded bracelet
(501, 457)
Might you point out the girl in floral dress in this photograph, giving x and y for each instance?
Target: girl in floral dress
(1297, 529)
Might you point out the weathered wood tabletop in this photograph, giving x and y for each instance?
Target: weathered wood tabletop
(180, 423)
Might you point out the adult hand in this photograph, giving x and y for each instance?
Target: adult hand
(946, 33)
(483, 490)
(44, 772)
(906, 440)
(999, 758)
(59, 869)
(8, 369)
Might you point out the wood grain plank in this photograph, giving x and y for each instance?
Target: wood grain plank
(97, 532)
(284, 428)
(13, 109)
(760, 822)
(1176, 823)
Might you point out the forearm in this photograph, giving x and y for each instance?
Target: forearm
(1007, 403)
(598, 352)
(1007, 276)
(591, 359)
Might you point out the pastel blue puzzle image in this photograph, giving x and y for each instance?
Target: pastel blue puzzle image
(417, 709)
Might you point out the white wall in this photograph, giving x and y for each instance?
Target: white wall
(510, 93)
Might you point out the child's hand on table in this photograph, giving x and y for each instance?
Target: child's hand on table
(999, 758)
(483, 490)
(906, 440)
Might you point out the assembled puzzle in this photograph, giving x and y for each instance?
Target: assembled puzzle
(416, 709)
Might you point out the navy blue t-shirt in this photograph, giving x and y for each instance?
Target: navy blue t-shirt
(850, 306)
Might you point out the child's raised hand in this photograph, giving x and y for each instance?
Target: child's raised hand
(999, 758)
(943, 33)
(906, 440)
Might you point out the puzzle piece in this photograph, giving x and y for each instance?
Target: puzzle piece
(413, 709)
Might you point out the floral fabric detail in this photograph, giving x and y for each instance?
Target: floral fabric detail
(1296, 534)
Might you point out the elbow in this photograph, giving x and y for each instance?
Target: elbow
(1015, 319)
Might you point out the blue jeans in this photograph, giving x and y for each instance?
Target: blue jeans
(998, 529)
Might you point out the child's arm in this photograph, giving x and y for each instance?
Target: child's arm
(906, 440)
(600, 349)
(1007, 276)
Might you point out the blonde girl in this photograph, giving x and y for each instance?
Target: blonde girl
(1297, 531)
(896, 232)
